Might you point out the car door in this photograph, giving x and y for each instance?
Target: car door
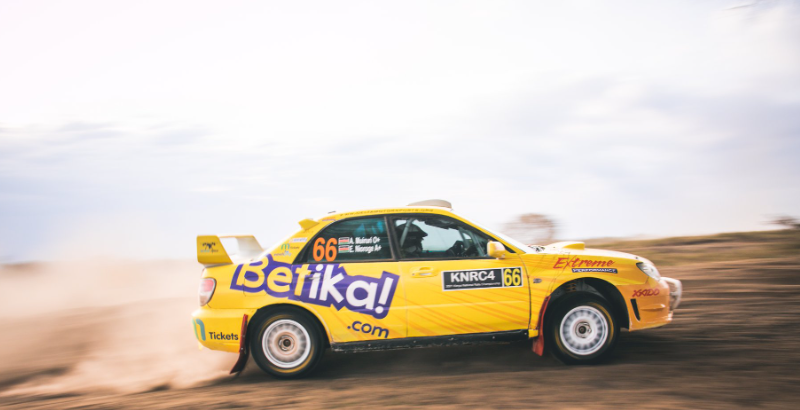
(452, 286)
(353, 267)
(347, 274)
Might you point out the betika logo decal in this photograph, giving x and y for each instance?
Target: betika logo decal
(320, 284)
(482, 278)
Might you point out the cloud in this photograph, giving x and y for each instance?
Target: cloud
(612, 118)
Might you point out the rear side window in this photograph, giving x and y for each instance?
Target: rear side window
(351, 240)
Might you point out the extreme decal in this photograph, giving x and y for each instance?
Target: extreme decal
(579, 265)
(320, 284)
(482, 278)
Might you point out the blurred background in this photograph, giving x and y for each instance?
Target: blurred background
(128, 128)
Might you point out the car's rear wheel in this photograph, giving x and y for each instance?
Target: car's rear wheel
(582, 330)
(287, 344)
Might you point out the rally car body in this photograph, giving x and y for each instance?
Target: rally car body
(415, 276)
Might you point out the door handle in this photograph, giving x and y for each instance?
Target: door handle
(423, 272)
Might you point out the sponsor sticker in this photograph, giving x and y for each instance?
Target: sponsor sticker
(209, 247)
(327, 285)
(482, 278)
(199, 329)
(298, 240)
(604, 270)
(367, 249)
(577, 262)
(223, 336)
(646, 292)
(369, 329)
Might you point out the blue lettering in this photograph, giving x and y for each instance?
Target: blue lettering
(330, 285)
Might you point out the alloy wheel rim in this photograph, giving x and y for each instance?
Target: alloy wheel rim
(584, 330)
(286, 343)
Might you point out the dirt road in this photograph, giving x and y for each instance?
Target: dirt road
(734, 344)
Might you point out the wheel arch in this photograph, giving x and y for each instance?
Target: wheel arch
(268, 309)
(599, 287)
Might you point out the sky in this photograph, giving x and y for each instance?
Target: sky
(128, 128)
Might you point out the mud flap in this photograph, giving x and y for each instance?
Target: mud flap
(538, 345)
(243, 353)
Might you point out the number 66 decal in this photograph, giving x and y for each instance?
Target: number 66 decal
(323, 250)
(512, 277)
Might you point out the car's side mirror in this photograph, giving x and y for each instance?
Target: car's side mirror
(496, 250)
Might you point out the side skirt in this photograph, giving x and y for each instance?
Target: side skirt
(431, 341)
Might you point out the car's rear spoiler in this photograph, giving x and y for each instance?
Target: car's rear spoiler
(211, 251)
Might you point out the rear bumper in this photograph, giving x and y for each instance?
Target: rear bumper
(219, 329)
(652, 303)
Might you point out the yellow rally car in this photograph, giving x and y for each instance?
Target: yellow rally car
(417, 276)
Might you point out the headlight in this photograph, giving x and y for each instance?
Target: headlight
(649, 270)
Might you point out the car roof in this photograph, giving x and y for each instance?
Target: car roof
(394, 210)
(435, 206)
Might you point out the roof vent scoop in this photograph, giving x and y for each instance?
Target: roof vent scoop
(433, 202)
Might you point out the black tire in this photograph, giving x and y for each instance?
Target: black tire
(293, 347)
(581, 329)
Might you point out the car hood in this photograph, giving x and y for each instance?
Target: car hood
(577, 249)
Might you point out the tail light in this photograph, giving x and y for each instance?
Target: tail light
(207, 286)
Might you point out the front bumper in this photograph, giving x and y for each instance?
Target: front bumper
(652, 303)
(675, 292)
(219, 329)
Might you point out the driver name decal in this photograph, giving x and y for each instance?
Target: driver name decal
(482, 278)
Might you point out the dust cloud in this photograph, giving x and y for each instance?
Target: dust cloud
(86, 335)
(111, 325)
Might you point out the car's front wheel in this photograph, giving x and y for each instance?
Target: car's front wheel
(582, 330)
(287, 344)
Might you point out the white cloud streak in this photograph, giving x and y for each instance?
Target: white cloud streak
(618, 119)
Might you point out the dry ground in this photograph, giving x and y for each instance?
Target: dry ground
(734, 344)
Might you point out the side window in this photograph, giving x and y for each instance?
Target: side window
(435, 237)
(351, 240)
